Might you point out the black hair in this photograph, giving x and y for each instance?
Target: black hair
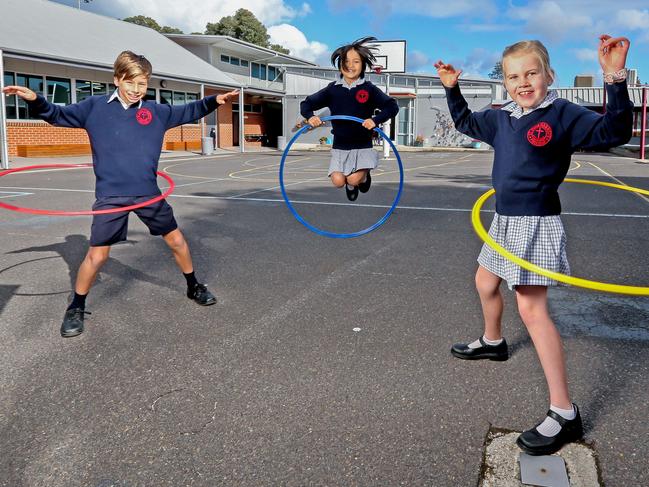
(339, 56)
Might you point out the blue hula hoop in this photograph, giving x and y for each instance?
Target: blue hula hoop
(325, 233)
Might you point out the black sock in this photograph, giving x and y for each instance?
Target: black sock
(191, 279)
(79, 301)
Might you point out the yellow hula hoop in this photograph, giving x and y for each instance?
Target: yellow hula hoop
(557, 276)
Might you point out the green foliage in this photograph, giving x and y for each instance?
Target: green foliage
(145, 21)
(245, 26)
(497, 71)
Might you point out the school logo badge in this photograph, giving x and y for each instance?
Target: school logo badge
(362, 96)
(144, 116)
(540, 134)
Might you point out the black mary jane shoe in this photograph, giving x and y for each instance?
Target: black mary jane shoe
(352, 194)
(498, 352)
(364, 187)
(534, 443)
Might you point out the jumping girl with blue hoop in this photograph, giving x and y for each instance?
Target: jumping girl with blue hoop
(352, 155)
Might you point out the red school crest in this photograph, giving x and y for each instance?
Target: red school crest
(540, 134)
(362, 96)
(144, 116)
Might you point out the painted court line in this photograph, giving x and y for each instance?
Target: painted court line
(10, 194)
(400, 207)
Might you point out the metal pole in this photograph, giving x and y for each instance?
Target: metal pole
(203, 119)
(242, 123)
(643, 124)
(386, 125)
(4, 151)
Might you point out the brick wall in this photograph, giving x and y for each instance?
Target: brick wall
(41, 133)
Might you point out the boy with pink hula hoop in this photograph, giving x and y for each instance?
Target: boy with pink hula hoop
(126, 134)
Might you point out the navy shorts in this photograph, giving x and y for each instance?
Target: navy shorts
(111, 228)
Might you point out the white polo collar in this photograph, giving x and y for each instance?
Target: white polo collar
(125, 105)
(517, 111)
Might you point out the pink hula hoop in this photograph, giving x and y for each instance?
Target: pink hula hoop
(37, 211)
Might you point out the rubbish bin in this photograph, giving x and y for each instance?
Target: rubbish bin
(207, 146)
(281, 142)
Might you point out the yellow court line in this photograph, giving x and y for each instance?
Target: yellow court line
(639, 195)
(427, 166)
(232, 174)
(165, 169)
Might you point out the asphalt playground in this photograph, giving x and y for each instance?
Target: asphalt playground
(325, 361)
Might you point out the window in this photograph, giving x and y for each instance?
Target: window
(34, 83)
(103, 88)
(192, 97)
(258, 71)
(165, 97)
(248, 108)
(59, 91)
(234, 61)
(179, 98)
(150, 94)
(272, 72)
(245, 63)
(10, 100)
(225, 59)
(84, 90)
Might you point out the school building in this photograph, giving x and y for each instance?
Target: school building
(67, 54)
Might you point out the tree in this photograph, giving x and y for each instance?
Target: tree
(278, 48)
(170, 30)
(245, 26)
(145, 21)
(497, 71)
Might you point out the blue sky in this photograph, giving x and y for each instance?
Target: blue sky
(468, 33)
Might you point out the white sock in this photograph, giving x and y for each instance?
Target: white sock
(477, 343)
(551, 427)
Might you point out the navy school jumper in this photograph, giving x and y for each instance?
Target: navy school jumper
(126, 144)
(532, 153)
(361, 101)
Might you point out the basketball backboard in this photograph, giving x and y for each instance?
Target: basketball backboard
(390, 55)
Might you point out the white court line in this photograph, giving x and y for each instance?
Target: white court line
(399, 207)
(11, 194)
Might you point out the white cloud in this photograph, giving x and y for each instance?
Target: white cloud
(479, 62)
(585, 54)
(418, 62)
(428, 8)
(193, 15)
(551, 21)
(294, 39)
(633, 19)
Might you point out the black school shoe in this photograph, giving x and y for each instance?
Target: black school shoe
(201, 295)
(352, 194)
(534, 443)
(73, 322)
(364, 187)
(492, 352)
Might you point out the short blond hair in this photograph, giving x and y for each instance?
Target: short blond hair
(128, 65)
(534, 47)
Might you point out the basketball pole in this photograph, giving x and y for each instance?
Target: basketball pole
(386, 146)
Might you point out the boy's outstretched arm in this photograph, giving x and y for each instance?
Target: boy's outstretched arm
(72, 116)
